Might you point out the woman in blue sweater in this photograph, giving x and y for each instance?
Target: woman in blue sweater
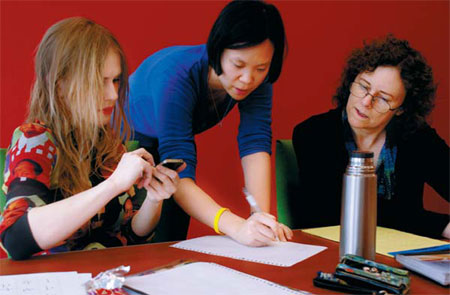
(181, 91)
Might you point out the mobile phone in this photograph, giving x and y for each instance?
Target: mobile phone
(173, 164)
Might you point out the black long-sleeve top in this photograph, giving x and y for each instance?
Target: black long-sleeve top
(422, 157)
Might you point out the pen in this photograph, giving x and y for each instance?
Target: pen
(252, 202)
(135, 290)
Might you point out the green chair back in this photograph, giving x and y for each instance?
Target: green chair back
(132, 145)
(286, 179)
(2, 168)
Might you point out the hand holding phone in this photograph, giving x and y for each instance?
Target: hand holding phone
(173, 164)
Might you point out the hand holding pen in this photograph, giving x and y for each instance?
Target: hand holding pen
(266, 223)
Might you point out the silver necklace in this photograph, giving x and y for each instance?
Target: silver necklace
(220, 119)
(212, 96)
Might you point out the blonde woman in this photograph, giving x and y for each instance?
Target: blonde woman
(68, 178)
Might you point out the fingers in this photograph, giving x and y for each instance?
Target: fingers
(146, 174)
(146, 165)
(258, 231)
(153, 195)
(160, 182)
(145, 155)
(287, 232)
(163, 183)
(280, 234)
(133, 168)
(263, 230)
(265, 234)
(284, 233)
(268, 221)
(163, 188)
(260, 240)
(164, 173)
(157, 192)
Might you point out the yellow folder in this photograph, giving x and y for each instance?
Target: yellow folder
(388, 240)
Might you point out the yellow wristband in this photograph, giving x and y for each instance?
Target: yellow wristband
(216, 220)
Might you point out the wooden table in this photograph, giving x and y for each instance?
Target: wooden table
(143, 257)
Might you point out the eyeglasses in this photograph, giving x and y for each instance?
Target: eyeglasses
(379, 103)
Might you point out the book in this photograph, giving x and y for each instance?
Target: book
(432, 262)
(191, 277)
(278, 253)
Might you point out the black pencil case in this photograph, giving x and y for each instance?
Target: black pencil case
(356, 275)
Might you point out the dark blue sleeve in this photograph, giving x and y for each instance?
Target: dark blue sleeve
(255, 130)
(173, 96)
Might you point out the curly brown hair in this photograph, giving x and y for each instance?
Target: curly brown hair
(416, 74)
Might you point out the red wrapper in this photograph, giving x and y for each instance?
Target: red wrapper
(116, 291)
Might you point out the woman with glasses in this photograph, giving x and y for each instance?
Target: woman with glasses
(386, 93)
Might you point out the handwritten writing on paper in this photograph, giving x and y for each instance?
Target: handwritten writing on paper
(58, 283)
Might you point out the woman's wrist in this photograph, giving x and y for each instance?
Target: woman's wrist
(147, 217)
(217, 218)
(229, 223)
(152, 201)
(110, 187)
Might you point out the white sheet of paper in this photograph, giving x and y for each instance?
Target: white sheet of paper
(280, 253)
(83, 278)
(49, 283)
(205, 278)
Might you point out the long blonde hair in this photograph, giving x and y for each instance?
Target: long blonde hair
(73, 52)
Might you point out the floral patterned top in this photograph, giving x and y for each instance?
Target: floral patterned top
(30, 182)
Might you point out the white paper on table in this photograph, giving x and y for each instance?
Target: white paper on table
(205, 278)
(49, 283)
(83, 278)
(279, 254)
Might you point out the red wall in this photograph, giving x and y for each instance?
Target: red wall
(320, 35)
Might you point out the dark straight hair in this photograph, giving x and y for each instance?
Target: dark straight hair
(243, 24)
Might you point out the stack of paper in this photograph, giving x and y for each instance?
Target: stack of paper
(48, 283)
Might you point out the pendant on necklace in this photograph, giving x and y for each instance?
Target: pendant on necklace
(213, 98)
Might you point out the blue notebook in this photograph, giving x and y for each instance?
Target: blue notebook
(422, 250)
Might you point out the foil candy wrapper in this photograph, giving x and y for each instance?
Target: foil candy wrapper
(108, 282)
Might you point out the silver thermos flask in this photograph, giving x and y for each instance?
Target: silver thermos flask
(359, 207)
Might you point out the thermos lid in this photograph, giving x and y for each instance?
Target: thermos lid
(362, 154)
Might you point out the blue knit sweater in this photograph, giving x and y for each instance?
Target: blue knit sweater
(169, 102)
